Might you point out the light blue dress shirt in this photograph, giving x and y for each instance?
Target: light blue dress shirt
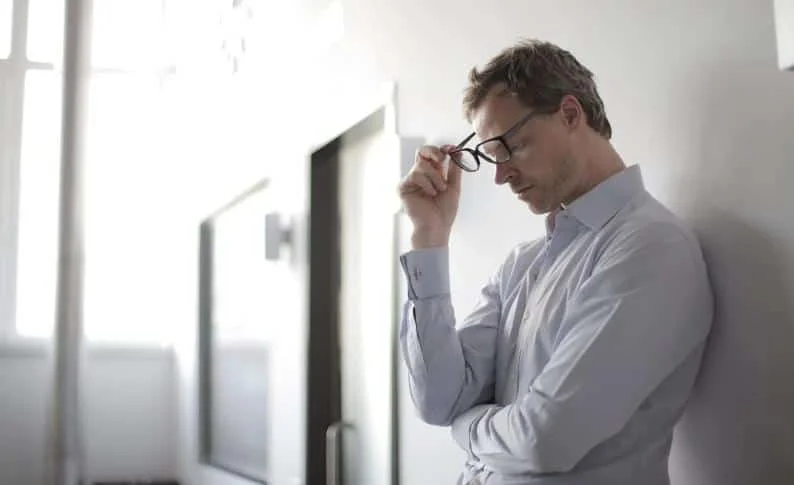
(579, 356)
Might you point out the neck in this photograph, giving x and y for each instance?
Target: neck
(600, 162)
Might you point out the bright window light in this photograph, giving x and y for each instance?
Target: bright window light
(123, 253)
(38, 204)
(127, 142)
(124, 300)
(127, 34)
(6, 16)
(45, 30)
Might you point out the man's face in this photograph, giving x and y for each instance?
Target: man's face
(542, 170)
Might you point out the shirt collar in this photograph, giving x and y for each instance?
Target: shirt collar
(595, 208)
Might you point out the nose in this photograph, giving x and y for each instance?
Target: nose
(503, 174)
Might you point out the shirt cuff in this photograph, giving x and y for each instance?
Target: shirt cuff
(461, 427)
(427, 272)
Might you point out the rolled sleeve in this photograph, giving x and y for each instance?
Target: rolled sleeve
(427, 272)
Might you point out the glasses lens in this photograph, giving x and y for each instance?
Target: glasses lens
(495, 150)
(465, 160)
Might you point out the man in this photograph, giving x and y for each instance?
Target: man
(579, 356)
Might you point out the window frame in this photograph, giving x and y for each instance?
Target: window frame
(13, 70)
(12, 73)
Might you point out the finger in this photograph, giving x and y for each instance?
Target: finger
(419, 182)
(430, 165)
(435, 178)
(431, 154)
(453, 170)
(454, 174)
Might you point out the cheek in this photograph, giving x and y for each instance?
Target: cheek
(540, 156)
(536, 166)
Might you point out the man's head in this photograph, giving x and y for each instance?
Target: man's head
(553, 151)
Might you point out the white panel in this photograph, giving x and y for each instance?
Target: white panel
(784, 23)
(24, 393)
(369, 173)
(129, 410)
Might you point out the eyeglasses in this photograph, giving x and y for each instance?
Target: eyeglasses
(494, 150)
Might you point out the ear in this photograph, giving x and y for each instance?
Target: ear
(571, 112)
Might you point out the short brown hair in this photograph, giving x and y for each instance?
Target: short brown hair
(540, 74)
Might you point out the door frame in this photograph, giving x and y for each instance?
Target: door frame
(345, 117)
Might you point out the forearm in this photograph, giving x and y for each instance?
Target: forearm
(449, 369)
(525, 438)
(432, 352)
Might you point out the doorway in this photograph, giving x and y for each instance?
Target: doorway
(352, 423)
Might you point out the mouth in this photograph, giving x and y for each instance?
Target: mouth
(522, 193)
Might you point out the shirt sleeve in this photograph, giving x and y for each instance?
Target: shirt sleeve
(450, 370)
(646, 307)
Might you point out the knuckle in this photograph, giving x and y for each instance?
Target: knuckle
(430, 151)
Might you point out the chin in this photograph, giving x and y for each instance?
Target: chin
(539, 207)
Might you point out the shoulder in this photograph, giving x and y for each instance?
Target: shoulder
(645, 229)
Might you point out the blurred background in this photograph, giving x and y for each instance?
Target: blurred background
(238, 283)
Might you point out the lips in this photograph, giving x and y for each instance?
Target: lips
(521, 193)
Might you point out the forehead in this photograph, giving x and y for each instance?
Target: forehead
(498, 112)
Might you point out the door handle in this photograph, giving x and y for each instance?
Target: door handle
(333, 438)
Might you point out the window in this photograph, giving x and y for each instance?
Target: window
(126, 119)
(37, 227)
(45, 31)
(29, 114)
(6, 12)
(121, 209)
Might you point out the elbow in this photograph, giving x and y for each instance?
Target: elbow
(436, 419)
(431, 410)
(550, 438)
(434, 415)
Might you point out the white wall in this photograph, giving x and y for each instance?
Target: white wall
(130, 429)
(130, 414)
(784, 20)
(694, 95)
(23, 413)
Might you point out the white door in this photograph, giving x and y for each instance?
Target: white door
(369, 174)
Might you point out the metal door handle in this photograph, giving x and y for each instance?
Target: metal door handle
(333, 437)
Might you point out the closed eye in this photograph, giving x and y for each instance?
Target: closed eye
(520, 146)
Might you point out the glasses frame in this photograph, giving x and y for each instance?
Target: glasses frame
(477, 153)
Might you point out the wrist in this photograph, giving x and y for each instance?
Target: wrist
(426, 239)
